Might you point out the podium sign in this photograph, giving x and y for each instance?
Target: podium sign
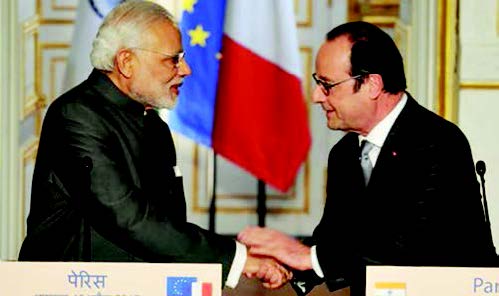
(431, 281)
(109, 279)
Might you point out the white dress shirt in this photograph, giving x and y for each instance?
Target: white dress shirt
(236, 269)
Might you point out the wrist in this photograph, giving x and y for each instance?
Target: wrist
(306, 260)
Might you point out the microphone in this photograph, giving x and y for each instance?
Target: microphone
(480, 170)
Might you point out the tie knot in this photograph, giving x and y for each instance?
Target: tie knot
(365, 162)
(365, 147)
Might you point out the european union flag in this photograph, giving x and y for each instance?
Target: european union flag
(179, 285)
(202, 29)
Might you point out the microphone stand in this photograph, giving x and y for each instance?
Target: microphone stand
(261, 207)
(213, 203)
(480, 169)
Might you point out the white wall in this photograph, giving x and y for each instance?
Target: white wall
(479, 93)
(10, 225)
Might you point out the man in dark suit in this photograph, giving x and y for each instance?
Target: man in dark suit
(401, 186)
(106, 185)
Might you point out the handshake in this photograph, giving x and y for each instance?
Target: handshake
(272, 255)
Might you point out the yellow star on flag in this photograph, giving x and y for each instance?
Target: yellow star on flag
(188, 5)
(199, 36)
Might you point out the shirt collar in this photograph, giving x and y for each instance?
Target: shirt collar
(378, 134)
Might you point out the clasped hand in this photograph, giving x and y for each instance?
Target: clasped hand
(272, 274)
(269, 252)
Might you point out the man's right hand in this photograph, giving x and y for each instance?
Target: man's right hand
(272, 274)
(273, 243)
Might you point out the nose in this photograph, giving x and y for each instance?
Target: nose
(184, 69)
(318, 95)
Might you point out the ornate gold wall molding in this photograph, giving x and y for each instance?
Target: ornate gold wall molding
(448, 87)
(56, 6)
(402, 38)
(383, 13)
(45, 47)
(32, 97)
(44, 20)
(307, 57)
(303, 13)
(497, 17)
(56, 22)
(28, 157)
(53, 77)
(492, 85)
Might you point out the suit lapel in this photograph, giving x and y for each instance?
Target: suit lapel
(395, 146)
(351, 162)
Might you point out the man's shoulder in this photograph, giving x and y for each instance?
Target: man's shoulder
(419, 120)
(348, 140)
(84, 89)
(74, 99)
(420, 129)
(78, 108)
(345, 147)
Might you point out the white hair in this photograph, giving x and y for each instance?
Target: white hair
(122, 28)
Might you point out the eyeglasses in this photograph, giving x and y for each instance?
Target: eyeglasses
(176, 58)
(326, 86)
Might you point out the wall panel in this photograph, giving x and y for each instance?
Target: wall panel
(479, 92)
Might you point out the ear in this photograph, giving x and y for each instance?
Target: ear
(125, 62)
(375, 85)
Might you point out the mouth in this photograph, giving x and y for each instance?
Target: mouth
(330, 114)
(176, 88)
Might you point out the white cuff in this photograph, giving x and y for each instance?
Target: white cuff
(315, 262)
(236, 269)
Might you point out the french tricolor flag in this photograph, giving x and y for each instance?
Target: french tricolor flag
(245, 98)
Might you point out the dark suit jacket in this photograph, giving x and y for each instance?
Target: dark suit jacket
(104, 187)
(421, 207)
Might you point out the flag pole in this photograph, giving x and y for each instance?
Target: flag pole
(261, 207)
(213, 206)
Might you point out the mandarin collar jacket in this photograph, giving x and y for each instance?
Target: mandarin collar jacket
(104, 187)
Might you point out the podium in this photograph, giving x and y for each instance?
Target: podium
(109, 279)
(431, 281)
